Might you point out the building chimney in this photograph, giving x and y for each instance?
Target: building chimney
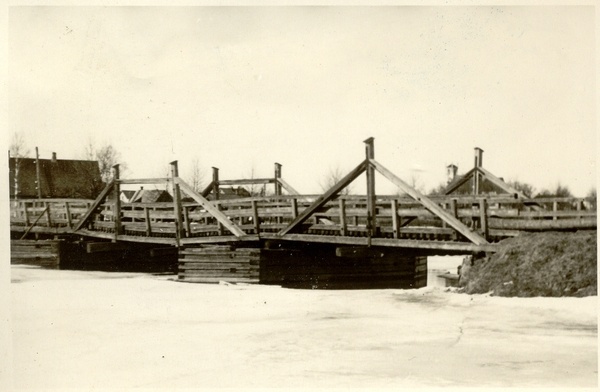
(451, 170)
(478, 157)
(53, 157)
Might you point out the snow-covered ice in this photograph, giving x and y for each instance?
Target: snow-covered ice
(96, 330)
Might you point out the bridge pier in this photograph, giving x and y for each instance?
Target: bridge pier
(306, 265)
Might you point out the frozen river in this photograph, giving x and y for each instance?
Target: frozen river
(97, 330)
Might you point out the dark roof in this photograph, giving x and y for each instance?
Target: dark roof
(59, 178)
(128, 194)
(152, 196)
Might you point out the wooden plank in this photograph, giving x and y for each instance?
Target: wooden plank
(539, 224)
(395, 220)
(68, 211)
(249, 181)
(287, 187)
(218, 280)
(211, 209)
(148, 221)
(483, 217)
(220, 250)
(223, 239)
(143, 181)
(363, 241)
(323, 199)
(342, 215)
(431, 206)
(186, 221)
(33, 255)
(240, 268)
(255, 217)
(371, 204)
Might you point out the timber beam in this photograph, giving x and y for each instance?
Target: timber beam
(326, 197)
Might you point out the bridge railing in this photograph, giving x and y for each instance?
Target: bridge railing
(47, 213)
(396, 216)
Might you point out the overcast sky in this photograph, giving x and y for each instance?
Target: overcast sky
(242, 88)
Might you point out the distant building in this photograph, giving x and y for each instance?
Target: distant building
(59, 178)
(486, 187)
(151, 196)
(226, 193)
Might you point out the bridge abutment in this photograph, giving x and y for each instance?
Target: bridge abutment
(313, 266)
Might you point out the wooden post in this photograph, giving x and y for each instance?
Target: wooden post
(476, 175)
(68, 212)
(483, 217)
(215, 175)
(395, 219)
(343, 224)
(38, 176)
(47, 209)
(454, 212)
(117, 208)
(148, 223)
(278, 187)
(26, 213)
(371, 208)
(176, 202)
(554, 209)
(294, 208)
(277, 177)
(186, 221)
(255, 217)
(579, 208)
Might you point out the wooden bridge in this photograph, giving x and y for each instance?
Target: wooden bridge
(445, 224)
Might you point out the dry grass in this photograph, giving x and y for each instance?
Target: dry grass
(549, 264)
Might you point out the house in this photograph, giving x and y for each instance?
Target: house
(463, 184)
(227, 193)
(59, 178)
(150, 196)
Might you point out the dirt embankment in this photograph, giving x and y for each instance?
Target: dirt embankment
(552, 264)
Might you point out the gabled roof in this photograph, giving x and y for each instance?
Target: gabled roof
(152, 196)
(485, 186)
(60, 178)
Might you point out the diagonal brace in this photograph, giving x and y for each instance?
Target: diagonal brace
(429, 204)
(324, 198)
(214, 211)
(94, 205)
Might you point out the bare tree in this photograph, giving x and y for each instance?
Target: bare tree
(254, 189)
(107, 156)
(17, 150)
(333, 176)
(196, 178)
